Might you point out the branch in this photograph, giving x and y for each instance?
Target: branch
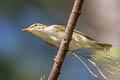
(64, 46)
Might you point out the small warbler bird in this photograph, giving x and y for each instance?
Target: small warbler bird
(53, 35)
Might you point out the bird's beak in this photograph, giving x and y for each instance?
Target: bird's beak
(26, 29)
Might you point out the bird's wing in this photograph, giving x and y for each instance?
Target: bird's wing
(62, 28)
(59, 28)
(89, 38)
(97, 45)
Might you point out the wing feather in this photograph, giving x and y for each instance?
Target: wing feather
(62, 28)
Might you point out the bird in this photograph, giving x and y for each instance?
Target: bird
(53, 35)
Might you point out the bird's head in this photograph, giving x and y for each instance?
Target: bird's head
(34, 27)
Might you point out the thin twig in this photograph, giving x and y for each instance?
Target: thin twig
(87, 57)
(76, 11)
(90, 71)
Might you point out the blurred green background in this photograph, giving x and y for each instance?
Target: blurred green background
(25, 57)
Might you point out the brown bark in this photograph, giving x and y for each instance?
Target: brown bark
(76, 11)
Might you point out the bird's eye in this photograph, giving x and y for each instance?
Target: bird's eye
(35, 25)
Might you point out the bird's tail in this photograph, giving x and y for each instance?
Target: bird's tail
(103, 46)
